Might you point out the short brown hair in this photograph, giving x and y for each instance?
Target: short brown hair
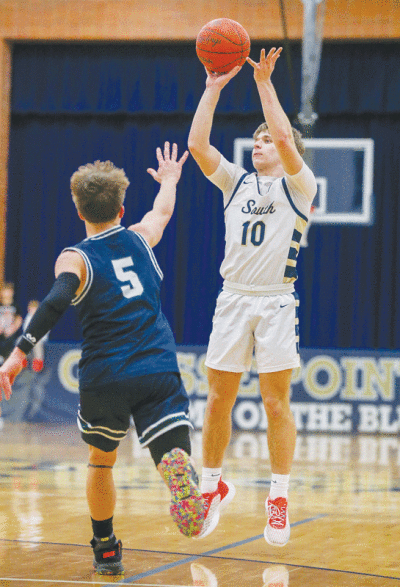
(98, 190)
(298, 140)
(8, 285)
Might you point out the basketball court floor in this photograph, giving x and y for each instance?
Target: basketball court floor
(344, 511)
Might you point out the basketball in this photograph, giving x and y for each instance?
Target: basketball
(222, 44)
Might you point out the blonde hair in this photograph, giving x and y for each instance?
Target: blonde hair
(98, 190)
(298, 140)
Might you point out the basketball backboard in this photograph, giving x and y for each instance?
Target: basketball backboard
(344, 172)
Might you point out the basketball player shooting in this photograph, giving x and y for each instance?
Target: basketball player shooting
(266, 213)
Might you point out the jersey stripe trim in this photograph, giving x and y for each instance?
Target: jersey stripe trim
(236, 188)
(152, 426)
(89, 275)
(290, 274)
(296, 236)
(257, 290)
(181, 421)
(106, 233)
(289, 197)
(151, 254)
(86, 428)
(296, 322)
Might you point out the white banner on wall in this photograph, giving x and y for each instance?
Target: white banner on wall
(334, 391)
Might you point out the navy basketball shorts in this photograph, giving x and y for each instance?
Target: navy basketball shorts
(157, 402)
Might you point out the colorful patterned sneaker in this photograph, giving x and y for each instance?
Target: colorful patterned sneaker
(214, 503)
(187, 504)
(277, 530)
(277, 576)
(202, 576)
(107, 556)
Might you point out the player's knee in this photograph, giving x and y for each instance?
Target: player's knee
(223, 389)
(178, 437)
(219, 402)
(275, 407)
(99, 457)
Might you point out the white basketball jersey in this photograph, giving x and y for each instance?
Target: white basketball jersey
(264, 220)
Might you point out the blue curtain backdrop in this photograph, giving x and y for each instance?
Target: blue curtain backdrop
(75, 103)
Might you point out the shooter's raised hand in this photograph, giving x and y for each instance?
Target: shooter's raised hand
(219, 80)
(264, 69)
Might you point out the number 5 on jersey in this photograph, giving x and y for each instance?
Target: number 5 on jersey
(123, 273)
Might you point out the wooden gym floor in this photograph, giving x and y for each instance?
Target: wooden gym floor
(344, 510)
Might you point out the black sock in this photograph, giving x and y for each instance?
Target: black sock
(102, 529)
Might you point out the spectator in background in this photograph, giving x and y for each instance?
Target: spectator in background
(37, 354)
(10, 321)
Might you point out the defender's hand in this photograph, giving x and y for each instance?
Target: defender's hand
(169, 167)
(9, 370)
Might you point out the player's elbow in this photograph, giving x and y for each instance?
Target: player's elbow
(207, 158)
(284, 141)
(198, 145)
(151, 232)
(163, 217)
(195, 148)
(164, 214)
(156, 235)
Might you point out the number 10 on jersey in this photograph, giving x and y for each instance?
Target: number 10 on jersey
(257, 233)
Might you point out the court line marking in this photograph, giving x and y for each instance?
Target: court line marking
(209, 553)
(61, 581)
(188, 560)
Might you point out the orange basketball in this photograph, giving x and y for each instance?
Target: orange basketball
(222, 44)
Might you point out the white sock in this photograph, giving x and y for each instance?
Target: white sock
(279, 486)
(209, 479)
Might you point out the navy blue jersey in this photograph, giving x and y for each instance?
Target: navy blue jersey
(125, 333)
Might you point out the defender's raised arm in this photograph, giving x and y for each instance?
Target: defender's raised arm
(168, 174)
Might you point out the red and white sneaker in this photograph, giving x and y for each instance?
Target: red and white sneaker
(213, 504)
(277, 530)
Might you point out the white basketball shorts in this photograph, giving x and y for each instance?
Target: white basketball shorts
(267, 325)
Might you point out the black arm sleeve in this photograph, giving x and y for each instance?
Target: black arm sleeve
(50, 311)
